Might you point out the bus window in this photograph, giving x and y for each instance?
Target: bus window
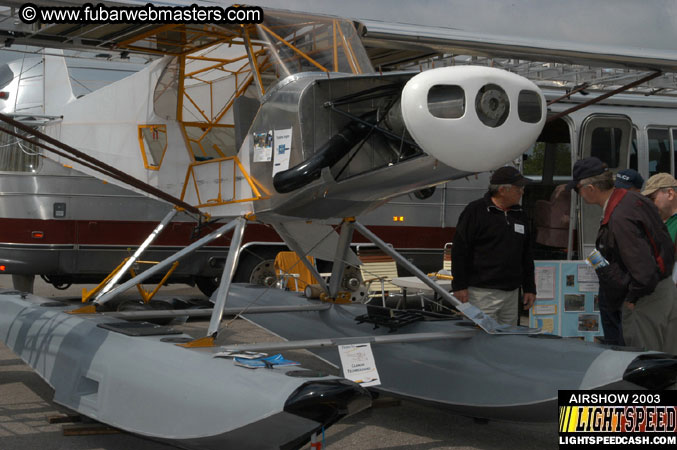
(606, 145)
(632, 155)
(659, 151)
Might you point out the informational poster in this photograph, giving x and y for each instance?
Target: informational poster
(574, 302)
(281, 150)
(587, 279)
(588, 322)
(588, 287)
(578, 318)
(358, 364)
(544, 313)
(263, 146)
(570, 308)
(586, 274)
(547, 324)
(545, 282)
(545, 310)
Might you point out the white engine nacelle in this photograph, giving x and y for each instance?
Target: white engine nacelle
(473, 118)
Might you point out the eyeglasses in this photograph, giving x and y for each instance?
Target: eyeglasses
(653, 196)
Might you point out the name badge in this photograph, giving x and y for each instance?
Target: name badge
(519, 228)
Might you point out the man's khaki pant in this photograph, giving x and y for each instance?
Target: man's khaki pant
(652, 324)
(501, 305)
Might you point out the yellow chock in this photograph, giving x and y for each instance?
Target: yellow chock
(440, 276)
(88, 309)
(341, 298)
(207, 341)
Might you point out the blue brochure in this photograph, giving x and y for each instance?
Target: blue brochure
(268, 361)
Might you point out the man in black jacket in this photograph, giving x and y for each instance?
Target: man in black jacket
(640, 255)
(492, 256)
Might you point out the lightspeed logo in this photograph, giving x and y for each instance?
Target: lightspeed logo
(629, 418)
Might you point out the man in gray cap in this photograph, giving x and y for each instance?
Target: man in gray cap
(492, 256)
(640, 255)
(660, 188)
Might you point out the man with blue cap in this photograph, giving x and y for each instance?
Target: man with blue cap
(629, 179)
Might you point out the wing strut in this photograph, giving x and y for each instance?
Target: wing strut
(342, 249)
(227, 277)
(169, 261)
(139, 251)
(336, 341)
(473, 313)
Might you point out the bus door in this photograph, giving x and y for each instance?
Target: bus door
(607, 137)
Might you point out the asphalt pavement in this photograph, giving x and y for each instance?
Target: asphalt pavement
(26, 405)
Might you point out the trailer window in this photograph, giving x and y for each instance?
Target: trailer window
(17, 155)
(659, 151)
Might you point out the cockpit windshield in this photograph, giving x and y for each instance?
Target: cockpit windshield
(286, 44)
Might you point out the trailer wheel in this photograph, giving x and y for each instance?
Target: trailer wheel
(60, 283)
(256, 267)
(207, 285)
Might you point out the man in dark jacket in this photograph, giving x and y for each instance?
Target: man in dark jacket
(640, 255)
(491, 256)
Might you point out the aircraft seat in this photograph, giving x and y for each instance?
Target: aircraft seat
(446, 257)
(378, 269)
(292, 273)
(552, 218)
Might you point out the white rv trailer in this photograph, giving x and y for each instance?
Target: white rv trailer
(73, 228)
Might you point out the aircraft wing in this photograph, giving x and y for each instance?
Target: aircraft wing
(417, 41)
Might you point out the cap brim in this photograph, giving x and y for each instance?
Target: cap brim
(572, 184)
(656, 188)
(522, 182)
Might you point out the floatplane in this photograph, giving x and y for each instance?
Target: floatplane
(286, 123)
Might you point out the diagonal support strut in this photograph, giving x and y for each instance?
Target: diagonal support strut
(473, 313)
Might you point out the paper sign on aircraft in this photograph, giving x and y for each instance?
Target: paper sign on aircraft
(358, 364)
(281, 150)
